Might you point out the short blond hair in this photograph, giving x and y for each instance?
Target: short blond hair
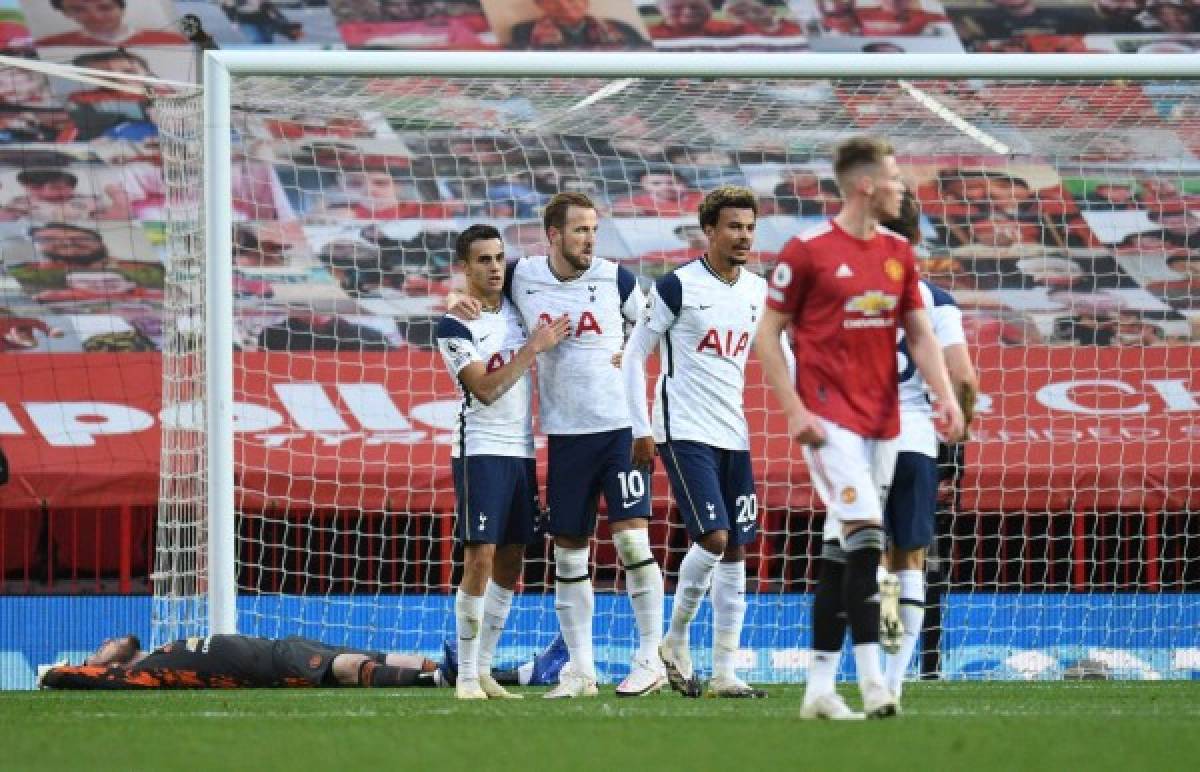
(859, 151)
(726, 197)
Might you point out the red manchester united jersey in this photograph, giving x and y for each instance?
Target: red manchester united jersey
(846, 297)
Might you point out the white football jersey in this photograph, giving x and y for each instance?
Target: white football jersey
(505, 427)
(916, 414)
(707, 328)
(579, 389)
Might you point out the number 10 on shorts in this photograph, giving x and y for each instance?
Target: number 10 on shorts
(633, 484)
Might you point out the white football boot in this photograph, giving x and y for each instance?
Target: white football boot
(469, 689)
(878, 700)
(829, 706)
(645, 677)
(735, 688)
(494, 690)
(678, 663)
(572, 684)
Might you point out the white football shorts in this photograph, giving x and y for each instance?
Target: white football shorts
(852, 475)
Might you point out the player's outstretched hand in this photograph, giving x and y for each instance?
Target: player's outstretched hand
(806, 429)
(464, 306)
(948, 421)
(548, 334)
(643, 451)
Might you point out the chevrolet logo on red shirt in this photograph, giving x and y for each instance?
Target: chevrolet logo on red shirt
(871, 303)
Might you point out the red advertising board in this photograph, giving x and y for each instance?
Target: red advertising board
(1059, 428)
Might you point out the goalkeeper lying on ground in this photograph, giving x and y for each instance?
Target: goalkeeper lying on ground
(242, 661)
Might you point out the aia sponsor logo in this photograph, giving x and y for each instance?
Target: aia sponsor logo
(587, 324)
(727, 344)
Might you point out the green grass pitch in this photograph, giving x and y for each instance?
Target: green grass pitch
(953, 726)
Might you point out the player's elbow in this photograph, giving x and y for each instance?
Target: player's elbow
(487, 396)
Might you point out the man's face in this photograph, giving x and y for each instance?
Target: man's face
(69, 246)
(576, 240)
(887, 189)
(686, 14)
(485, 266)
(22, 87)
(379, 186)
(53, 192)
(1173, 18)
(732, 237)
(567, 13)
(122, 66)
(662, 185)
(114, 651)
(751, 12)
(99, 16)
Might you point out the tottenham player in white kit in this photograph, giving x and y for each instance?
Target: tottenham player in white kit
(583, 411)
(495, 477)
(702, 318)
(584, 414)
(911, 506)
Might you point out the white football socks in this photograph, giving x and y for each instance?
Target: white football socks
(497, 602)
(729, 613)
(644, 584)
(468, 610)
(912, 615)
(574, 603)
(822, 672)
(867, 663)
(695, 576)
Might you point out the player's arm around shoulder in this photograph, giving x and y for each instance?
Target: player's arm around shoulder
(488, 387)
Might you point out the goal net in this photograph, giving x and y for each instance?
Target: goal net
(316, 499)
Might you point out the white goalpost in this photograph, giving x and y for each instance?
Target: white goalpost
(313, 197)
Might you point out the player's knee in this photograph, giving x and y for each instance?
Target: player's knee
(715, 542)
(633, 547)
(570, 564)
(477, 563)
(507, 565)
